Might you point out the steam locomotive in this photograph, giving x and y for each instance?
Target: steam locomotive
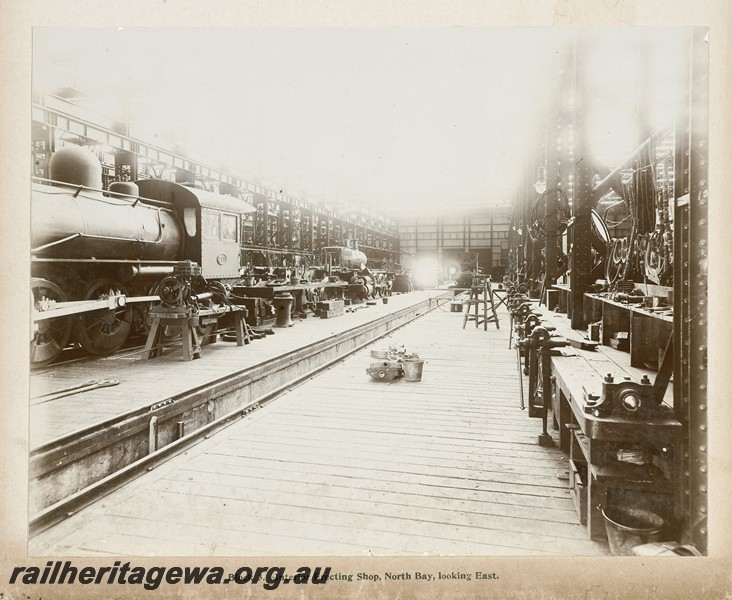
(349, 265)
(93, 245)
(88, 244)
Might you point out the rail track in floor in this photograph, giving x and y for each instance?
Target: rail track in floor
(79, 466)
(341, 465)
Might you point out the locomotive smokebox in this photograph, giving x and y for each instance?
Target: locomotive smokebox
(77, 166)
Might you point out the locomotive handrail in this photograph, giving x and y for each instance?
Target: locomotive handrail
(98, 237)
(56, 243)
(128, 198)
(135, 261)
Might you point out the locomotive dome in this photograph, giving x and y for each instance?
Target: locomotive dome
(77, 166)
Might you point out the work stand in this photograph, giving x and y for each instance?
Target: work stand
(188, 323)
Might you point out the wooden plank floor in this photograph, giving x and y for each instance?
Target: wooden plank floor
(145, 382)
(344, 466)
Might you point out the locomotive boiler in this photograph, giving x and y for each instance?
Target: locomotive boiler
(345, 257)
(83, 223)
(90, 244)
(349, 264)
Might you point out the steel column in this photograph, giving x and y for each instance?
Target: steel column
(690, 286)
(551, 251)
(581, 251)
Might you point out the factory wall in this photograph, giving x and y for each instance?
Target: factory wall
(432, 247)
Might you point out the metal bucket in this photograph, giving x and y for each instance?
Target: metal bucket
(665, 549)
(412, 370)
(628, 527)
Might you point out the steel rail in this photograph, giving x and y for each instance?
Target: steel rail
(67, 507)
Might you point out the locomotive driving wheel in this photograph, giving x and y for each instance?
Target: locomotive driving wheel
(103, 331)
(52, 334)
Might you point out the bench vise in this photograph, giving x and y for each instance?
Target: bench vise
(538, 349)
(531, 322)
(540, 339)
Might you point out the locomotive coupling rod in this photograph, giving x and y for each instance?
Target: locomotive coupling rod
(92, 384)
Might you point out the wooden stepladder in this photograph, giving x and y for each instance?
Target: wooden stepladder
(481, 297)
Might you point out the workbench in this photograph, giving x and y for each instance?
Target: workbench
(595, 443)
(648, 330)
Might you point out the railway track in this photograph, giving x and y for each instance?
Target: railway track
(74, 470)
(73, 356)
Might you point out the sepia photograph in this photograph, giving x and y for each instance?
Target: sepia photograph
(401, 311)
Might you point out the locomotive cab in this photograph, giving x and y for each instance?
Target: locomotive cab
(212, 225)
